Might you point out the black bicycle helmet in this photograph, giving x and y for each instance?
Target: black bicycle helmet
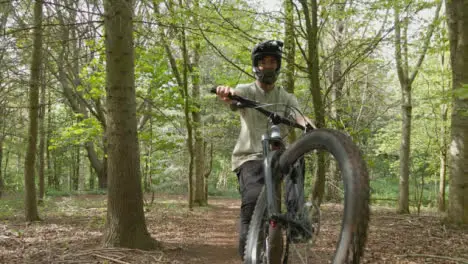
(267, 48)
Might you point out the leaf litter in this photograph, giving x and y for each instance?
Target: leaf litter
(72, 230)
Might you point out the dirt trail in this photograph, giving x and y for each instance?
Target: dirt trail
(207, 235)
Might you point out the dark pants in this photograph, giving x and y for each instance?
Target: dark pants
(251, 178)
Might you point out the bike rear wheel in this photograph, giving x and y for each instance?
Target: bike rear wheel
(349, 231)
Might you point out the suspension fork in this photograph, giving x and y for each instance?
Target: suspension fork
(270, 157)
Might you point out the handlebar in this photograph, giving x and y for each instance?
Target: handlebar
(275, 118)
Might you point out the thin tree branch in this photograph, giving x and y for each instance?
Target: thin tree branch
(222, 55)
(72, 9)
(426, 43)
(229, 21)
(26, 28)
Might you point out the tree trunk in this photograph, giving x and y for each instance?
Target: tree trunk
(457, 17)
(2, 138)
(4, 11)
(2, 183)
(199, 156)
(443, 159)
(102, 175)
(406, 80)
(99, 166)
(333, 192)
(82, 174)
(289, 47)
(125, 226)
(188, 124)
(31, 212)
(313, 69)
(76, 169)
(402, 70)
(182, 82)
(200, 197)
(50, 174)
(56, 176)
(5, 167)
(147, 170)
(319, 186)
(42, 111)
(77, 181)
(92, 178)
(149, 161)
(71, 173)
(290, 52)
(406, 108)
(209, 169)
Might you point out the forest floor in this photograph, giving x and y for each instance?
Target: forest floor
(71, 232)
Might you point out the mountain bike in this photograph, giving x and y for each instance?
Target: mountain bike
(290, 233)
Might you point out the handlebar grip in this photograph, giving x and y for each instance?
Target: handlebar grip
(213, 90)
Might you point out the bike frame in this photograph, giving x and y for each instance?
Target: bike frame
(273, 146)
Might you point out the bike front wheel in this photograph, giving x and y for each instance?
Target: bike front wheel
(342, 221)
(352, 196)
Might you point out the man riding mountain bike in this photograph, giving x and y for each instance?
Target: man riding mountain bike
(247, 159)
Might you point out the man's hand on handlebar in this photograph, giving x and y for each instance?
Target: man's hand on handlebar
(306, 122)
(224, 93)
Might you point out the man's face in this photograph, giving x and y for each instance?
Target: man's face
(268, 63)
